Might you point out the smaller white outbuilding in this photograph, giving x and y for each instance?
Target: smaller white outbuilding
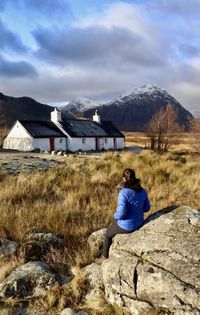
(64, 135)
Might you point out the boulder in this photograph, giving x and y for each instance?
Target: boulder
(94, 277)
(35, 245)
(7, 248)
(27, 281)
(158, 266)
(95, 242)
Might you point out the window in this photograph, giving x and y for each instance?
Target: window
(61, 140)
(106, 140)
(83, 140)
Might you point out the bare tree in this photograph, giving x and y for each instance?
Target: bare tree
(163, 129)
(195, 132)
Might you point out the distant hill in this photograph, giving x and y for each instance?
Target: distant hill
(79, 105)
(26, 108)
(131, 111)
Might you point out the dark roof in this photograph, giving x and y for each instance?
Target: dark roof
(111, 129)
(87, 128)
(41, 129)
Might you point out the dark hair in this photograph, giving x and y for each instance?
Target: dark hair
(130, 179)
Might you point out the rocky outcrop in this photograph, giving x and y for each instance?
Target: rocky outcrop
(11, 164)
(158, 266)
(28, 281)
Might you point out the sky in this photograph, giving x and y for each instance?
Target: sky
(56, 50)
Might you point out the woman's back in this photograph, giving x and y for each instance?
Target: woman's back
(131, 207)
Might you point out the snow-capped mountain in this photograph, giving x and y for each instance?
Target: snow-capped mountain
(79, 105)
(132, 110)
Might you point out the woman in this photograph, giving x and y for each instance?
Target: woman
(129, 216)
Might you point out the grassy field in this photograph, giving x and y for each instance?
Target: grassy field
(79, 197)
(183, 142)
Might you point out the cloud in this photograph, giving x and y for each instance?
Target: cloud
(190, 50)
(16, 69)
(47, 8)
(180, 7)
(10, 41)
(96, 46)
(104, 52)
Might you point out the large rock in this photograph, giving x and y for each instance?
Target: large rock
(95, 242)
(29, 280)
(95, 280)
(157, 266)
(36, 245)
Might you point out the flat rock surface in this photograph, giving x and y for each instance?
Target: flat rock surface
(157, 266)
(15, 164)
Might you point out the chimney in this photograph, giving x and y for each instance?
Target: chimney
(96, 117)
(56, 115)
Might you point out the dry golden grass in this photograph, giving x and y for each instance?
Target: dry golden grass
(184, 141)
(79, 197)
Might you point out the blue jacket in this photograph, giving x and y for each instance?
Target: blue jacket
(130, 208)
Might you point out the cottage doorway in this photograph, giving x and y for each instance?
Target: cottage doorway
(51, 144)
(115, 144)
(97, 146)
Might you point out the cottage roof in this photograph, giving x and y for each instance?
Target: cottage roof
(42, 129)
(87, 128)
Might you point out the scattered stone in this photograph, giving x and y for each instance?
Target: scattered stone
(7, 248)
(60, 153)
(95, 242)
(70, 311)
(28, 281)
(25, 164)
(53, 152)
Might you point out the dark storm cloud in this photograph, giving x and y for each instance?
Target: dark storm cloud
(48, 8)
(96, 45)
(16, 69)
(9, 40)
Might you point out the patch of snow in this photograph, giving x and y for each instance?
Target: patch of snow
(149, 90)
(80, 104)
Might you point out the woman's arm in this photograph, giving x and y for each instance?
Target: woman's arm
(121, 210)
(147, 205)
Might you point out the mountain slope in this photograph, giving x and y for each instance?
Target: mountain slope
(131, 111)
(79, 105)
(26, 108)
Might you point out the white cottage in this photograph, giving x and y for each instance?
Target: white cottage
(64, 135)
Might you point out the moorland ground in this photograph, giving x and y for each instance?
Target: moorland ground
(79, 196)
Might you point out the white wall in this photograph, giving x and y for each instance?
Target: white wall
(44, 145)
(28, 144)
(20, 144)
(18, 131)
(75, 144)
(120, 143)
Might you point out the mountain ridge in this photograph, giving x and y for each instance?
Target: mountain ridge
(132, 110)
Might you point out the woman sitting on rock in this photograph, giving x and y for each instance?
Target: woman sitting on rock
(129, 216)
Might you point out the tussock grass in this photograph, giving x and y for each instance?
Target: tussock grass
(77, 198)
